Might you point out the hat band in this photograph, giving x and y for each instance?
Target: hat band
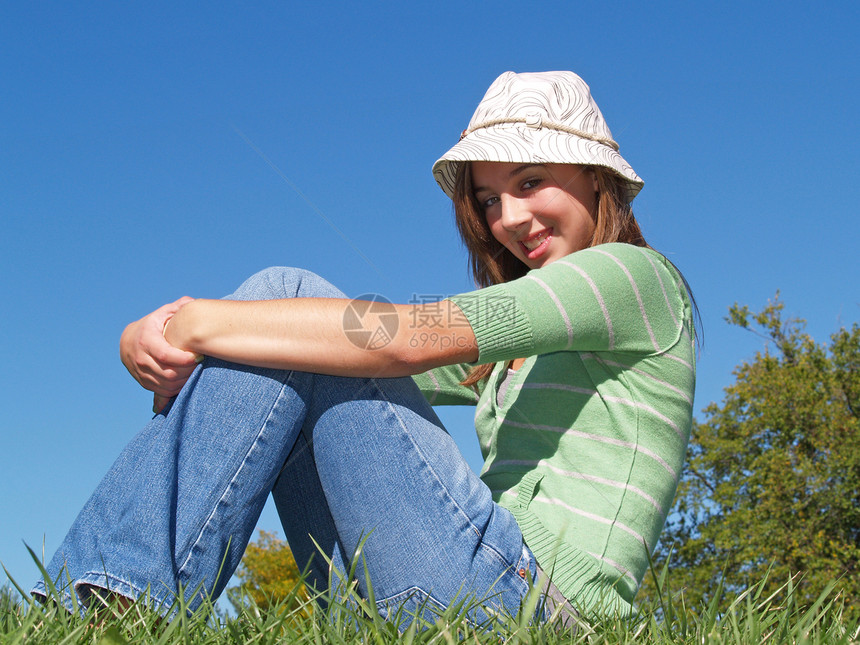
(535, 121)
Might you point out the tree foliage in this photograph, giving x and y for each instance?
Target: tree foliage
(773, 473)
(268, 574)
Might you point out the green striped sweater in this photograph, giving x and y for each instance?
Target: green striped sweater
(585, 442)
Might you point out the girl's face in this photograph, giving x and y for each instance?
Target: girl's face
(539, 212)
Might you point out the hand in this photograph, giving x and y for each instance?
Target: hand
(153, 362)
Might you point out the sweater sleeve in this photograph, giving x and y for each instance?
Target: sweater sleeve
(611, 297)
(441, 385)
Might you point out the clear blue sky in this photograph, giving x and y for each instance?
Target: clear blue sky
(151, 150)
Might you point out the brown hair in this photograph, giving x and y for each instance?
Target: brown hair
(491, 263)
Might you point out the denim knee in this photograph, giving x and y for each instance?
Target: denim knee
(285, 282)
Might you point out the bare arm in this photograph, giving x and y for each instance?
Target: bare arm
(308, 334)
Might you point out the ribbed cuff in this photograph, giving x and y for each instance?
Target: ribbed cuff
(501, 327)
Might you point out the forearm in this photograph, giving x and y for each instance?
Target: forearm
(308, 334)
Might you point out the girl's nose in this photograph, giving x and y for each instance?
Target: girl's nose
(514, 213)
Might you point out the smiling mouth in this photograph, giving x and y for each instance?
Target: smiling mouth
(535, 241)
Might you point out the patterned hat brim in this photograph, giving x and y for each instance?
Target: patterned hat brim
(519, 143)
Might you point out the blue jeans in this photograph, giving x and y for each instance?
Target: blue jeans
(346, 459)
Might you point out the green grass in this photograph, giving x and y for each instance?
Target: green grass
(748, 617)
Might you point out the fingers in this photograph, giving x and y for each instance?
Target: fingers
(152, 361)
(168, 356)
(163, 381)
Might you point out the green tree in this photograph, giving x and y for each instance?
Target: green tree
(268, 574)
(773, 473)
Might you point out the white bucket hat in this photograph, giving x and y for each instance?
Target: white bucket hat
(545, 117)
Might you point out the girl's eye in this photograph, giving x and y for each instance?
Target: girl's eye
(531, 183)
(487, 202)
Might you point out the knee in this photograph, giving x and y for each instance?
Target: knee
(284, 282)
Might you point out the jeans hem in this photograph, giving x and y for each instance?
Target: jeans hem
(85, 585)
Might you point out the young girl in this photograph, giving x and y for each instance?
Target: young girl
(577, 351)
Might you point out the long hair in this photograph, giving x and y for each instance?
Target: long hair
(491, 263)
